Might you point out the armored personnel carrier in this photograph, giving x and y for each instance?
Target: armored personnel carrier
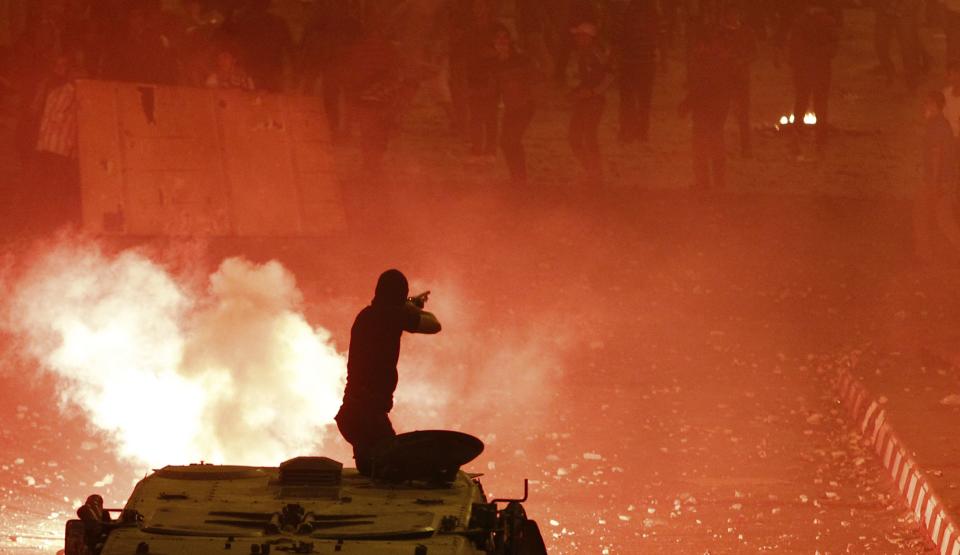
(417, 501)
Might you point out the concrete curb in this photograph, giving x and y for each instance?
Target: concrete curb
(871, 420)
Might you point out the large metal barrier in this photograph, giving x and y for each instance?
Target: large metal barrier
(157, 160)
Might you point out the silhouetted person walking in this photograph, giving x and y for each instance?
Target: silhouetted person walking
(709, 95)
(568, 14)
(813, 43)
(515, 86)
(327, 40)
(899, 20)
(951, 27)
(372, 364)
(589, 98)
(481, 62)
(738, 48)
(264, 40)
(55, 170)
(933, 213)
(376, 90)
(532, 17)
(637, 43)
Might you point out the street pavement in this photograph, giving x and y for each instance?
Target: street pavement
(662, 391)
(910, 371)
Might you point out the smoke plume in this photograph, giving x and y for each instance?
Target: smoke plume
(228, 372)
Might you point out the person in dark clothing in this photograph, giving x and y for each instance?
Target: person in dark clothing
(35, 54)
(933, 211)
(108, 30)
(708, 102)
(96, 522)
(459, 16)
(142, 56)
(738, 49)
(334, 29)
(227, 72)
(570, 14)
(481, 61)
(812, 45)
(951, 27)
(372, 364)
(44, 37)
(589, 98)
(900, 20)
(264, 42)
(195, 43)
(637, 41)
(532, 16)
(53, 171)
(515, 75)
(376, 91)
(884, 31)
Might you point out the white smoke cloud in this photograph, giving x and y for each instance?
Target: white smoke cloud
(233, 374)
(472, 372)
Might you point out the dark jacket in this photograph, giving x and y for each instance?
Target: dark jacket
(515, 82)
(940, 154)
(813, 41)
(373, 354)
(710, 84)
(638, 33)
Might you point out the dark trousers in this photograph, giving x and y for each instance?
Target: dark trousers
(934, 218)
(364, 430)
(812, 87)
(741, 109)
(709, 151)
(584, 133)
(636, 93)
(951, 26)
(516, 120)
(906, 30)
(483, 123)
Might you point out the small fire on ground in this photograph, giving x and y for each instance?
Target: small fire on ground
(808, 119)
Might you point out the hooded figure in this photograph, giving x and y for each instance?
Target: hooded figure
(372, 364)
(96, 521)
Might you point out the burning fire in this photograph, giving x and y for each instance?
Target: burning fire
(808, 119)
(231, 374)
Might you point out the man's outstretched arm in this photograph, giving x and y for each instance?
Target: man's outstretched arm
(428, 323)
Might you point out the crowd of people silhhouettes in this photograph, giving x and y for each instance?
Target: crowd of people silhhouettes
(486, 63)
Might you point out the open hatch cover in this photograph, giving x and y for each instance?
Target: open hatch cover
(433, 456)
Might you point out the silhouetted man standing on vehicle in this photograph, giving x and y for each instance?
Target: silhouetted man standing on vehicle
(372, 364)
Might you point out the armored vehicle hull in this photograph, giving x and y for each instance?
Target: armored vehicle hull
(307, 505)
